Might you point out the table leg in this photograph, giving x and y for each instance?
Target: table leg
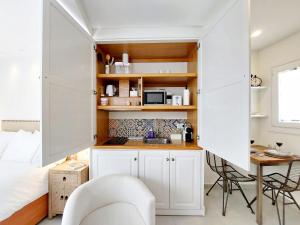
(259, 194)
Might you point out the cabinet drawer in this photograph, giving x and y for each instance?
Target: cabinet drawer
(58, 201)
(58, 187)
(69, 189)
(65, 178)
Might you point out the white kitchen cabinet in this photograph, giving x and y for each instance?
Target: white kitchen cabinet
(224, 103)
(114, 162)
(68, 78)
(68, 86)
(69, 108)
(185, 174)
(174, 177)
(154, 171)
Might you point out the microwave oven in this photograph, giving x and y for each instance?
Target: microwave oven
(155, 97)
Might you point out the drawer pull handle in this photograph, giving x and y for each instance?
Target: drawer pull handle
(167, 159)
(173, 159)
(64, 178)
(61, 197)
(66, 197)
(135, 159)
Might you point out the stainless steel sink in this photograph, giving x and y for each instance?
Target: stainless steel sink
(157, 141)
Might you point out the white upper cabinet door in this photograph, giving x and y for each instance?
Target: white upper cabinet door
(154, 171)
(224, 101)
(68, 73)
(185, 180)
(114, 162)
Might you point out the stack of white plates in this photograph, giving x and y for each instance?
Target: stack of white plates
(278, 154)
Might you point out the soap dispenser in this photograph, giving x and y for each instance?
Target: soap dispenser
(151, 133)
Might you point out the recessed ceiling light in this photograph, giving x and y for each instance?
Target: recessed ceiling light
(256, 33)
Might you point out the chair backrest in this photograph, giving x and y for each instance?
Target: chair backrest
(293, 175)
(103, 191)
(216, 163)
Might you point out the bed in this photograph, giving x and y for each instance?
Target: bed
(23, 186)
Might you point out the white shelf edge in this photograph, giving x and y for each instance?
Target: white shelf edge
(259, 88)
(258, 116)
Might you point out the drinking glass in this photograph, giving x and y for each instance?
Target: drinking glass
(279, 144)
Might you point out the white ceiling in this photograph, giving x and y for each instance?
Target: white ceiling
(277, 19)
(146, 19)
(169, 19)
(153, 13)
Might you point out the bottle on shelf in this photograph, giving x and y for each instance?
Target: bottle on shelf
(186, 96)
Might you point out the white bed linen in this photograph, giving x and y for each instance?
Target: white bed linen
(20, 184)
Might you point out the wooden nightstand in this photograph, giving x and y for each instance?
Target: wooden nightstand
(62, 182)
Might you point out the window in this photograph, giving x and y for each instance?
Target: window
(286, 112)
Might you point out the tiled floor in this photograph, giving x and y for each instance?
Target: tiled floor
(237, 213)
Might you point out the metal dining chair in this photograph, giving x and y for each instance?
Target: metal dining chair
(211, 162)
(229, 175)
(285, 185)
(219, 181)
(265, 190)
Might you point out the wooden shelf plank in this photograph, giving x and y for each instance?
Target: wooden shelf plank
(168, 107)
(148, 108)
(112, 76)
(120, 108)
(151, 52)
(147, 75)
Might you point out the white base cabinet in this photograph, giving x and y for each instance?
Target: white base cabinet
(185, 177)
(114, 162)
(174, 177)
(154, 171)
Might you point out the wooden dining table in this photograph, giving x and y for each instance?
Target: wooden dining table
(261, 160)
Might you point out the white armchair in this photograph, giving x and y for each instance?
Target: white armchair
(111, 200)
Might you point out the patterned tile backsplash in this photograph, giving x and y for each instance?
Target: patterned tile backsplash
(140, 127)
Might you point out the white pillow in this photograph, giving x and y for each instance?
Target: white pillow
(4, 140)
(22, 147)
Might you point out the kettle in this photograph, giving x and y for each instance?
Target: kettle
(111, 90)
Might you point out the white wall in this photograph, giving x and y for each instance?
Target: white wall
(20, 48)
(283, 52)
(254, 70)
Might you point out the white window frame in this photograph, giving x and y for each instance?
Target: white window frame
(275, 99)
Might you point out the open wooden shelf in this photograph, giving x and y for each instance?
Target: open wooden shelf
(151, 52)
(153, 79)
(148, 108)
(146, 53)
